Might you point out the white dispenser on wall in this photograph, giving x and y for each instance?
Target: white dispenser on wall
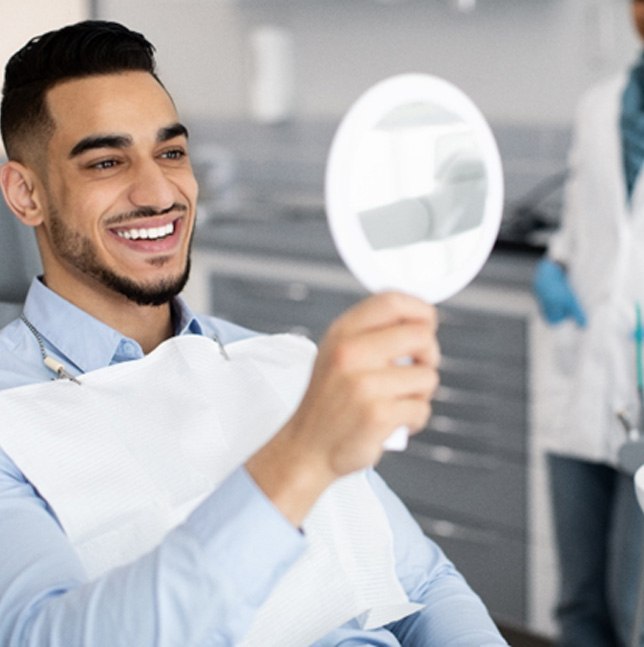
(272, 86)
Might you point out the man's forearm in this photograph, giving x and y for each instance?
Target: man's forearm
(206, 579)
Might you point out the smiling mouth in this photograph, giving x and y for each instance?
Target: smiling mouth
(147, 233)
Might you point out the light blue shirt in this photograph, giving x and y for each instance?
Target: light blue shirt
(204, 583)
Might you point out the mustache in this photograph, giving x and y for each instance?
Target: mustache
(144, 212)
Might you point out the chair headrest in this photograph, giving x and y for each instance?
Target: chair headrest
(19, 258)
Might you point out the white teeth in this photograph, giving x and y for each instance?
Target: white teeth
(151, 233)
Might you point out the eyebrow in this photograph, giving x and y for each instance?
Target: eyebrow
(100, 141)
(124, 141)
(170, 132)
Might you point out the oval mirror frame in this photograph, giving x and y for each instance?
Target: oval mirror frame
(370, 110)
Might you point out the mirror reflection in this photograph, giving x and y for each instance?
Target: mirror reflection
(414, 187)
(418, 182)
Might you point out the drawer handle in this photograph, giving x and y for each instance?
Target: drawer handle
(479, 368)
(301, 331)
(298, 291)
(448, 456)
(462, 428)
(449, 530)
(450, 394)
(295, 291)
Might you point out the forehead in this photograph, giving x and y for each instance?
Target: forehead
(129, 103)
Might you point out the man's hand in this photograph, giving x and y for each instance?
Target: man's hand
(358, 394)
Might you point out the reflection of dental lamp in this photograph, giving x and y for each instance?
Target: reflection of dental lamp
(455, 206)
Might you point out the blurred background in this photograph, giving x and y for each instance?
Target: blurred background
(262, 85)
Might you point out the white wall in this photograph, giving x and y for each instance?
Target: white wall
(199, 50)
(26, 18)
(520, 60)
(23, 19)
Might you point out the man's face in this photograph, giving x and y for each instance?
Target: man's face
(638, 17)
(120, 191)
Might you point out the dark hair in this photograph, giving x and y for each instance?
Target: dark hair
(88, 48)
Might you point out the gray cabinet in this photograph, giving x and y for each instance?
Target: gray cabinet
(464, 478)
(275, 305)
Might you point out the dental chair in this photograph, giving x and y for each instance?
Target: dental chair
(19, 263)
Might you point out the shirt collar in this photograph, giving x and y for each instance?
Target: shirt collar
(186, 321)
(85, 341)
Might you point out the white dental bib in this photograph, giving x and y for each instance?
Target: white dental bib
(127, 455)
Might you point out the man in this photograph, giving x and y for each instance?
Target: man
(589, 288)
(99, 166)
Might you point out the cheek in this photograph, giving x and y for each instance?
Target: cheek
(78, 215)
(87, 205)
(188, 186)
(638, 18)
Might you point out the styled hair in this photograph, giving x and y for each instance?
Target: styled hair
(88, 48)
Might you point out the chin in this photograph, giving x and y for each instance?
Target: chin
(146, 294)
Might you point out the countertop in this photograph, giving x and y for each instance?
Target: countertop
(503, 285)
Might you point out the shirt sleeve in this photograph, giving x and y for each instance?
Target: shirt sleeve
(453, 616)
(201, 585)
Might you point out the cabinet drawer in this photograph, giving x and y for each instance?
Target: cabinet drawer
(483, 336)
(478, 409)
(495, 377)
(494, 564)
(277, 306)
(475, 436)
(477, 486)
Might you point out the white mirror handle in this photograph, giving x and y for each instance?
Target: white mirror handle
(398, 440)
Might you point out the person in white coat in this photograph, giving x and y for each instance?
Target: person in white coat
(590, 287)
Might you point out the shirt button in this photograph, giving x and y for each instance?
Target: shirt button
(128, 348)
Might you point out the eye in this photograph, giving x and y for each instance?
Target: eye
(103, 165)
(175, 154)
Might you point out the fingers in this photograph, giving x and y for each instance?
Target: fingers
(383, 351)
(383, 418)
(415, 342)
(383, 329)
(415, 412)
(393, 383)
(359, 392)
(383, 310)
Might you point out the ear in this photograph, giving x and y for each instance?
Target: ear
(20, 189)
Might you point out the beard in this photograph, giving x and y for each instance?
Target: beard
(80, 252)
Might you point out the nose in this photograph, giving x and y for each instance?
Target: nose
(150, 187)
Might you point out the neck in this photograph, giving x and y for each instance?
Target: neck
(147, 325)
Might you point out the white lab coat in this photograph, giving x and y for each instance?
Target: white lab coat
(590, 374)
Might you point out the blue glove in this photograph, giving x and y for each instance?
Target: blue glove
(556, 298)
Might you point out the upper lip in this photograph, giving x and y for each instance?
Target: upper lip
(148, 217)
